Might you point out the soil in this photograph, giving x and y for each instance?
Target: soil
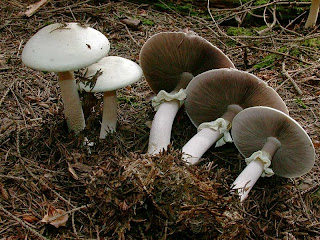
(113, 189)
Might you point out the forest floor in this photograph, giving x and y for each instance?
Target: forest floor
(113, 190)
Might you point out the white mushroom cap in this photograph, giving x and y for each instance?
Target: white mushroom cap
(61, 48)
(253, 126)
(116, 72)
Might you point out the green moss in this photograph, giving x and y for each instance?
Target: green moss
(295, 52)
(267, 61)
(312, 42)
(260, 28)
(147, 22)
(230, 43)
(185, 8)
(260, 2)
(292, 51)
(236, 31)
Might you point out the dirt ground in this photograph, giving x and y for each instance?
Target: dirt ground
(113, 190)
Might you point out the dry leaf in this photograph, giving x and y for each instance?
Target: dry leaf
(82, 167)
(73, 172)
(55, 217)
(131, 22)
(316, 143)
(29, 218)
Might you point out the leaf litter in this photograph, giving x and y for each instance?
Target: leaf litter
(118, 192)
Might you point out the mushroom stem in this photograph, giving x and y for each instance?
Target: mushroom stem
(313, 14)
(193, 150)
(252, 172)
(199, 144)
(109, 115)
(160, 133)
(71, 100)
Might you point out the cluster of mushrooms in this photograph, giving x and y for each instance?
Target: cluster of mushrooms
(181, 68)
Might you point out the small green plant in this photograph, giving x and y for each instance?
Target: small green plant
(127, 100)
(301, 103)
(147, 22)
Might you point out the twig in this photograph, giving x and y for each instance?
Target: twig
(271, 25)
(205, 24)
(7, 91)
(18, 139)
(70, 211)
(33, 8)
(73, 225)
(271, 51)
(13, 177)
(280, 53)
(22, 223)
(74, 18)
(302, 99)
(17, 100)
(276, 2)
(252, 47)
(302, 202)
(131, 37)
(296, 87)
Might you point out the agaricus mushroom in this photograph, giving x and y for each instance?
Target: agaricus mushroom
(214, 98)
(63, 48)
(268, 137)
(313, 14)
(110, 74)
(169, 61)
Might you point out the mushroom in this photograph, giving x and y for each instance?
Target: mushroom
(313, 14)
(214, 98)
(268, 137)
(169, 61)
(110, 74)
(63, 48)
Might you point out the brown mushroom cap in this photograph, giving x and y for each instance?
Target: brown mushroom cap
(165, 56)
(209, 94)
(251, 128)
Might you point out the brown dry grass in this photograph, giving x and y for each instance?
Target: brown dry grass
(117, 192)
